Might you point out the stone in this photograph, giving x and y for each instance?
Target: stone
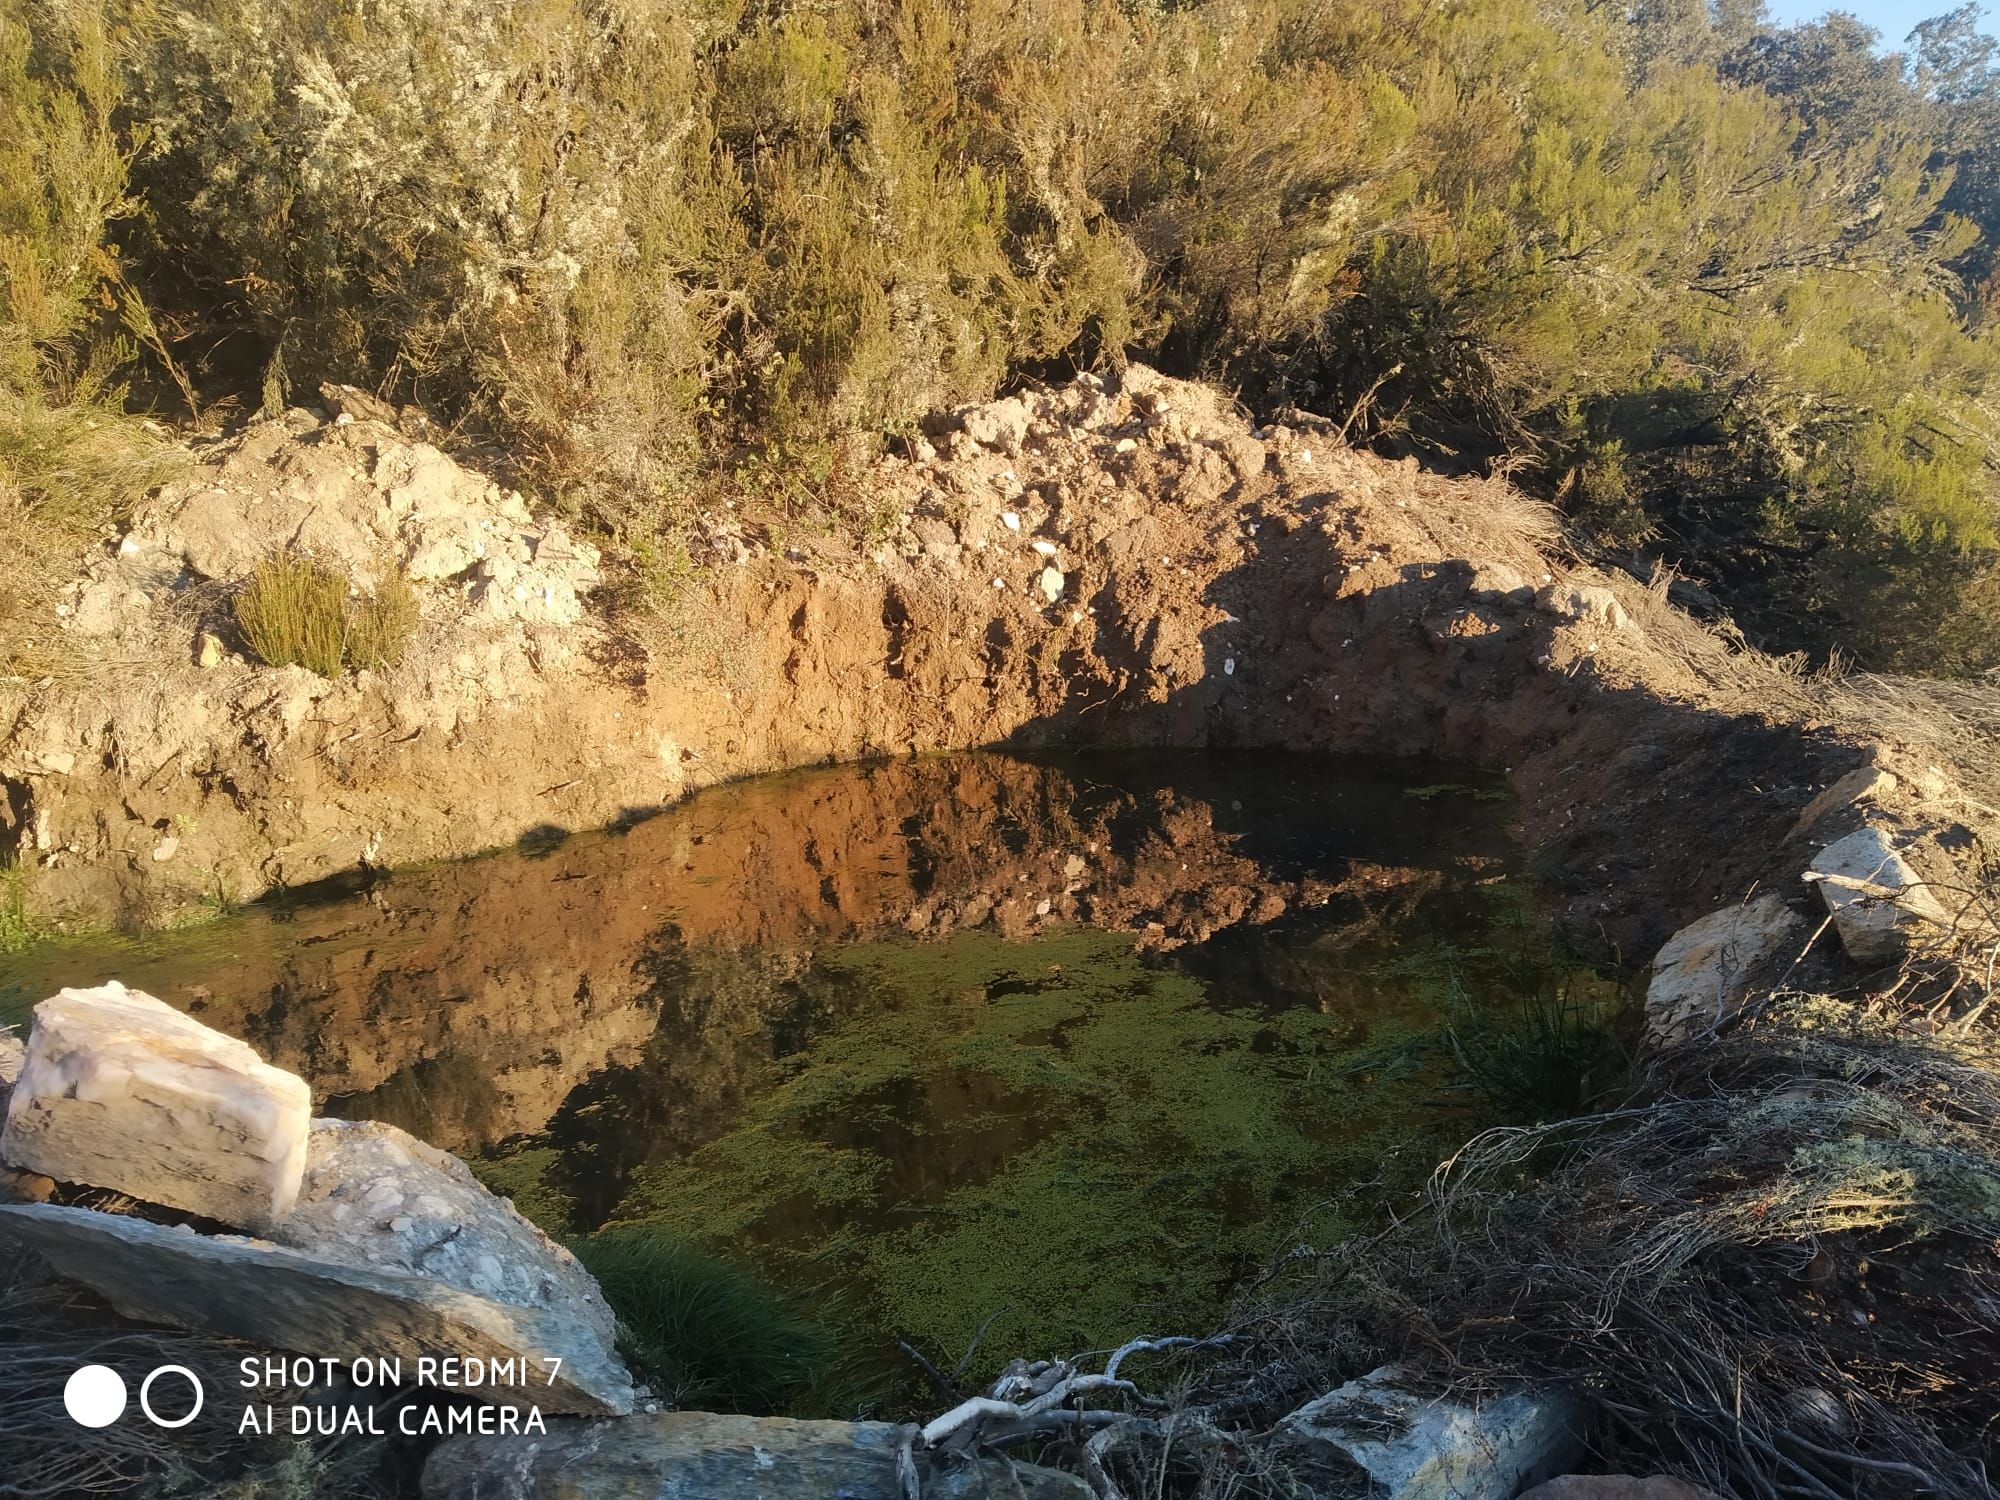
(1416, 1447)
(999, 425)
(1496, 583)
(1703, 973)
(1618, 1487)
(1583, 604)
(25, 1187)
(12, 1056)
(1864, 784)
(692, 1455)
(121, 1091)
(278, 1298)
(207, 650)
(936, 536)
(377, 1197)
(1878, 902)
(1052, 584)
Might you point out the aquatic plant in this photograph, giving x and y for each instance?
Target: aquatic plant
(1539, 1056)
(708, 1334)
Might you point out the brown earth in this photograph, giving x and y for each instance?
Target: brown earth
(1127, 564)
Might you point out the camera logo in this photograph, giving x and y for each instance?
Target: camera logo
(95, 1396)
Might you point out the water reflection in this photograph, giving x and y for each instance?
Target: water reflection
(922, 1022)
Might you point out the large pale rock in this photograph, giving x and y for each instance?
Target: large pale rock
(1416, 1447)
(283, 1299)
(122, 1091)
(1583, 604)
(692, 1455)
(1618, 1487)
(1703, 973)
(377, 1197)
(1878, 902)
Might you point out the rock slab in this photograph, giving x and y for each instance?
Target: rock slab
(1416, 1447)
(691, 1455)
(121, 1091)
(1864, 784)
(1879, 903)
(1704, 972)
(378, 1198)
(283, 1299)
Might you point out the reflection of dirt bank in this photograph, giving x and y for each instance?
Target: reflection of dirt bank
(471, 1001)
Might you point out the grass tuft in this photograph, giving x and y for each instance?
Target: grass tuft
(711, 1335)
(295, 611)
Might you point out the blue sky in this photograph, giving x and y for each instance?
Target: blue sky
(1893, 18)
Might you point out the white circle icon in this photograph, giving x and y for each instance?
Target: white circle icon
(94, 1396)
(146, 1392)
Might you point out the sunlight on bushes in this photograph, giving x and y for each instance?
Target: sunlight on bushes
(1713, 283)
(294, 611)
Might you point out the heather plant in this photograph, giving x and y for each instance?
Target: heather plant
(295, 611)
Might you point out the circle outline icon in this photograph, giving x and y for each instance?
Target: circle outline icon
(146, 1390)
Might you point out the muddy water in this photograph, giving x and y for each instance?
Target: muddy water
(1077, 1042)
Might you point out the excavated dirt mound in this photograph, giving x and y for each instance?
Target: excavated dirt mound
(1127, 563)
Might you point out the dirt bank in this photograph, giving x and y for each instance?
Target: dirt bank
(1123, 564)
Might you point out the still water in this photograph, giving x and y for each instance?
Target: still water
(1068, 1045)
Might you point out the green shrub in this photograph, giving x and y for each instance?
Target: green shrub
(1705, 280)
(295, 611)
(71, 461)
(708, 1334)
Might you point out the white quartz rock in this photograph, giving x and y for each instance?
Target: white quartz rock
(121, 1091)
(1879, 904)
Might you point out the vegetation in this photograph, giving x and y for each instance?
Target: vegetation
(293, 610)
(707, 1335)
(1726, 288)
(70, 320)
(1539, 1057)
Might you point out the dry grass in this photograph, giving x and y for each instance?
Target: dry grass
(1772, 1271)
(47, 1332)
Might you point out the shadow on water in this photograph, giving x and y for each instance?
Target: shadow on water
(1076, 1040)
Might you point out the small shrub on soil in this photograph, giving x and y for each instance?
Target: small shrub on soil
(295, 611)
(708, 1334)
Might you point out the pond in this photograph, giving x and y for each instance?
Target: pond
(1061, 1048)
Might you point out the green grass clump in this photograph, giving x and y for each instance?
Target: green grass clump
(1541, 1057)
(294, 611)
(707, 1334)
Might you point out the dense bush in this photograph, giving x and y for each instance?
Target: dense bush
(1724, 288)
(69, 458)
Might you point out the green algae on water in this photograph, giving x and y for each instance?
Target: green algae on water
(1056, 1134)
